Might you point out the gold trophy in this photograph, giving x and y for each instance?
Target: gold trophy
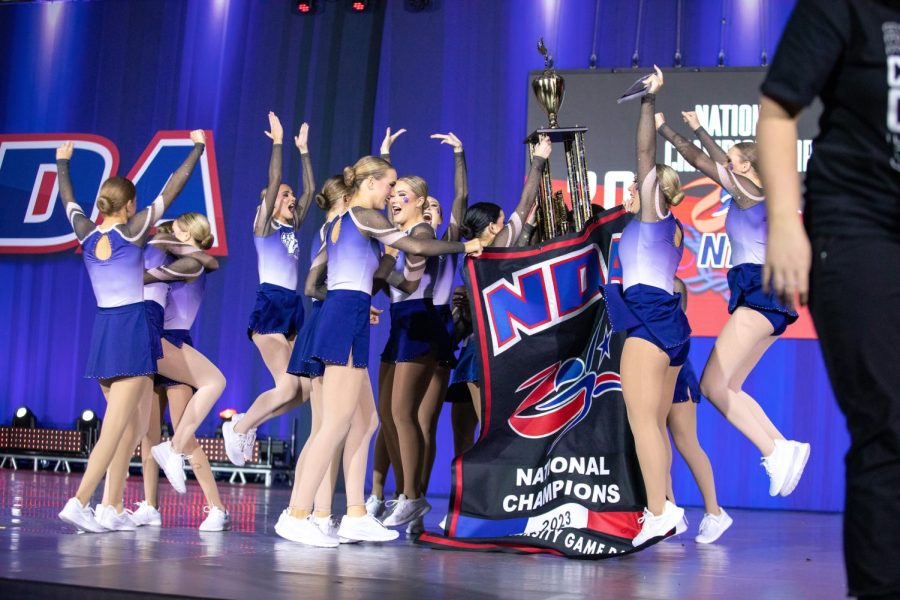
(553, 219)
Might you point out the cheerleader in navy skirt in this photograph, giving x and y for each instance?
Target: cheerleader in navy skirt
(333, 200)
(682, 424)
(341, 343)
(278, 313)
(121, 353)
(486, 222)
(757, 318)
(647, 309)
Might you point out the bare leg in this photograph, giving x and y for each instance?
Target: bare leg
(154, 434)
(122, 401)
(188, 366)
(429, 414)
(410, 382)
(303, 394)
(356, 450)
(737, 350)
(389, 433)
(179, 398)
(325, 493)
(475, 392)
(683, 425)
(381, 464)
(276, 353)
(644, 370)
(117, 473)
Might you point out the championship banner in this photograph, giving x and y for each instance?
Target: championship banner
(554, 469)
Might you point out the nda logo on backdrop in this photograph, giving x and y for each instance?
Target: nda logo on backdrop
(32, 219)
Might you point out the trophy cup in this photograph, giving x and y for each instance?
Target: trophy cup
(553, 219)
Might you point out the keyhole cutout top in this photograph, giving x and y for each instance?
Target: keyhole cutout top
(103, 249)
(336, 231)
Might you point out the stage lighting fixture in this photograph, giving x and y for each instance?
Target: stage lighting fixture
(24, 418)
(88, 421)
(306, 7)
(359, 5)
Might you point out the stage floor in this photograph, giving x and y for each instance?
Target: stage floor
(766, 554)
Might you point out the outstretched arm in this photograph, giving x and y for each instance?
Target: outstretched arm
(309, 179)
(185, 268)
(709, 144)
(77, 219)
(180, 177)
(413, 266)
(267, 206)
(510, 234)
(460, 185)
(372, 223)
(653, 206)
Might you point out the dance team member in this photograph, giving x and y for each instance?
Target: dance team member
(120, 355)
(341, 343)
(278, 313)
(757, 318)
(647, 309)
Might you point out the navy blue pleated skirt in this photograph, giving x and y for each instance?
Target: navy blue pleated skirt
(687, 387)
(302, 363)
(419, 329)
(121, 343)
(467, 365)
(343, 329)
(745, 283)
(277, 310)
(652, 314)
(156, 320)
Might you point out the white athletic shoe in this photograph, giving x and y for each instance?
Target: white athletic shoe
(374, 506)
(216, 519)
(172, 464)
(801, 455)
(416, 526)
(234, 441)
(681, 526)
(407, 510)
(713, 526)
(365, 529)
(330, 525)
(146, 515)
(656, 526)
(304, 531)
(108, 518)
(249, 442)
(778, 466)
(80, 517)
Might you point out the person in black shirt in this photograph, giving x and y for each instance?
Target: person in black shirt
(847, 53)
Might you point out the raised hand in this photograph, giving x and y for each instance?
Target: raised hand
(301, 139)
(474, 248)
(64, 152)
(654, 82)
(543, 147)
(276, 131)
(374, 315)
(198, 136)
(690, 117)
(389, 140)
(450, 139)
(659, 119)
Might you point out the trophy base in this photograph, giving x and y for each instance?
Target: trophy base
(556, 134)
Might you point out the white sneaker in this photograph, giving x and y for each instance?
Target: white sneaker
(713, 526)
(330, 525)
(109, 519)
(249, 442)
(365, 529)
(374, 506)
(681, 526)
(234, 441)
(778, 466)
(80, 517)
(406, 511)
(304, 531)
(146, 515)
(172, 464)
(281, 519)
(416, 526)
(801, 455)
(216, 519)
(656, 526)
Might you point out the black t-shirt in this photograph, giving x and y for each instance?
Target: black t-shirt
(847, 52)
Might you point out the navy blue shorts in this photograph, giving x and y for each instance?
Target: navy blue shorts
(652, 314)
(745, 284)
(687, 387)
(467, 365)
(277, 310)
(343, 329)
(120, 343)
(419, 329)
(302, 363)
(156, 320)
(178, 338)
